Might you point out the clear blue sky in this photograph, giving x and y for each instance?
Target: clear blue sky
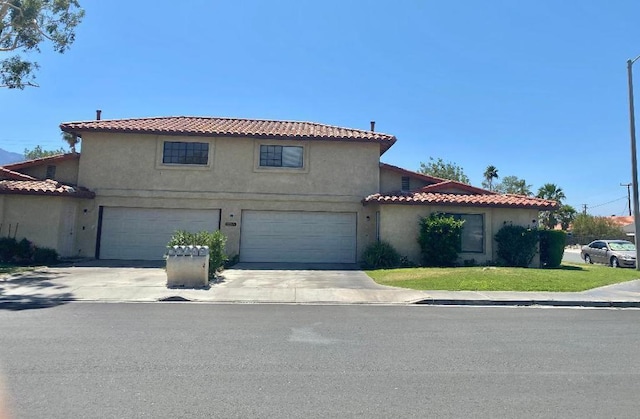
(536, 88)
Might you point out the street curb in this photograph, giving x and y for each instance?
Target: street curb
(528, 303)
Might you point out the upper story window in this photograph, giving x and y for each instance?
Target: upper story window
(177, 152)
(281, 156)
(51, 172)
(405, 184)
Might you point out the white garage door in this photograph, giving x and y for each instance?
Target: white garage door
(288, 236)
(143, 233)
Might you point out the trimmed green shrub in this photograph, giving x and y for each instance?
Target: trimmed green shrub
(552, 243)
(440, 238)
(380, 255)
(8, 249)
(516, 245)
(216, 242)
(24, 252)
(45, 256)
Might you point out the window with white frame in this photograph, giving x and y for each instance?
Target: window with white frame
(281, 156)
(472, 240)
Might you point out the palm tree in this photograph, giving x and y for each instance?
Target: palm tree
(552, 192)
(490, 173)
(71, 139)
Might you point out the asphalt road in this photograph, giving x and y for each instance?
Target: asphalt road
(170, 360)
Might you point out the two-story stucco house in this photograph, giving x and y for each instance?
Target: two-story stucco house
(281, 191)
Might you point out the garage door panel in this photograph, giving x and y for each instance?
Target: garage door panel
(143, 233)
(308, 237)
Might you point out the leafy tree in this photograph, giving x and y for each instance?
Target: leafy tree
(445, 170)
(552, 192)
(38, 153)
(25, 25)
(586, 228)
(513, 185)
(490, 173)
(566, 215)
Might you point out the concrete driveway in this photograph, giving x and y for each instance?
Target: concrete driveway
(144, 281)
(310, 276)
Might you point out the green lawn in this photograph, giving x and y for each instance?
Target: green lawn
(567, 278)
(11, 269)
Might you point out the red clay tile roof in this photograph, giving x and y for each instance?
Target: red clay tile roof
(11, 175)
(230, 127)
(44, 160)
(43, 187)
(490, 199)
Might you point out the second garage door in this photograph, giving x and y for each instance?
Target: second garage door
(291, 236)
(143, 233)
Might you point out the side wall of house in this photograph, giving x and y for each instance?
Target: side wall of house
(399, 225)
(66, 171)
(391, 181)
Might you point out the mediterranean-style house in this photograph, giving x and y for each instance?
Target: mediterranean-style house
(281, 191)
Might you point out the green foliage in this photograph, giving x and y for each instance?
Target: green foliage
(24, 252)
(516, 245)
(381, 255)
(440, 238)
(566, 214)
(25, 25)
(489, 174)
(445, 170)
(513, 185)
(38, 153)
(45, 256)
(552, 243)
(587, 228)
(216, 242)
(549, 219)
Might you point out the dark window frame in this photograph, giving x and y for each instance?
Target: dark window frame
(272, 155)
(185, 153)
(405, 184)
(469, 249)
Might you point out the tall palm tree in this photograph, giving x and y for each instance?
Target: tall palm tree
(490, 173)
(552, 192)
(71, 139)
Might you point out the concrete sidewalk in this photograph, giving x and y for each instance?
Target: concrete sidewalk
(50, 286)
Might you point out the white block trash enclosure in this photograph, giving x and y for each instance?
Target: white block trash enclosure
(188, 266)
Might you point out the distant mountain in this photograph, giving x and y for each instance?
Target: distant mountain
(7, 157)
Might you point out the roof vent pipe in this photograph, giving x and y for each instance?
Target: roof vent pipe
(373, 126)
(98, 114)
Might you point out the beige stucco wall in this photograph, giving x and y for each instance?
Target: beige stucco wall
(134, 162)
(66, 171)
(391, 181)
(47, 221)
(399, 225)
(230, 212)
(127, 171)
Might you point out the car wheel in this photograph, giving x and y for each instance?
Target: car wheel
(614, 262)
(587, 259)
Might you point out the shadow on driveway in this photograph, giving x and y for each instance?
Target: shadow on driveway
(32, 290)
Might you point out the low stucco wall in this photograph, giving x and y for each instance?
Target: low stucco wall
(47, 221)
(399, 225)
